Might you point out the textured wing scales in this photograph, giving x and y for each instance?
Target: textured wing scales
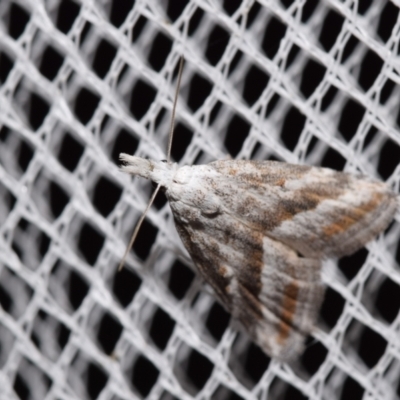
(272, 291)
(316, 211)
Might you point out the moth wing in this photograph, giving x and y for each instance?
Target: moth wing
(264, 284)
(316, 211)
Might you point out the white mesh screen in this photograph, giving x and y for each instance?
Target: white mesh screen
(304, 81)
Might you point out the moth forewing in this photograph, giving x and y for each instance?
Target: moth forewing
(257, 231)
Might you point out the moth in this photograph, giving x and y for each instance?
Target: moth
(257, 231)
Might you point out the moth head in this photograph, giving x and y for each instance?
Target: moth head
(158, 171)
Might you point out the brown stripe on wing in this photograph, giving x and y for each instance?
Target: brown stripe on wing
(229, 256)
(355, 215)
(206, 258)
(284, 203)
(289, 303)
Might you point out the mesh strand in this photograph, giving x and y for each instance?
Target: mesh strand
(313, 82)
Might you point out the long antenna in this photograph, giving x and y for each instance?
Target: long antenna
(170, 136)
(172, 125)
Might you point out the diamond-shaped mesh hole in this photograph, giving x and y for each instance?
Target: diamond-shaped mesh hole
(200, 89)
(371, 66)
(247, 361)
(237, 131)
(160, 200)
(175, 9)
(293, 125)
(142, 97)
(70, 152)
(368, 344)
(218, 40)
(333, 159)
(106, 195)
(332, 307)
(313, 356)
(51, 62)
(192, 369)
(58, 199)
(145, 239)
(108, 333)
(90, 243)
(388, 157)
(331, 28)
(18, 20)
(230, 6)
(387, 21)
(119, 11)
(350, 265)
(182, 138)
(85, 105)
(125, 285)
(38, 110)
(217, 321)
(388, 300)
(68, 11)
(371, 347)
(104, 56)
(255, 82)
(351, 390)
(144, 375)
(274, 33)
(180, 279)
(161, 328)
(160, 50)
(312, 76)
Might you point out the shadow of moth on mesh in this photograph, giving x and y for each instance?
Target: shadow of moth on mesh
(257, 231)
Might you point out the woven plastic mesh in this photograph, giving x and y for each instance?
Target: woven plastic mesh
(302, 81)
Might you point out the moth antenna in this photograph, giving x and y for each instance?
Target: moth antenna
(138, 225)
(170, 136)
(172, 126)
